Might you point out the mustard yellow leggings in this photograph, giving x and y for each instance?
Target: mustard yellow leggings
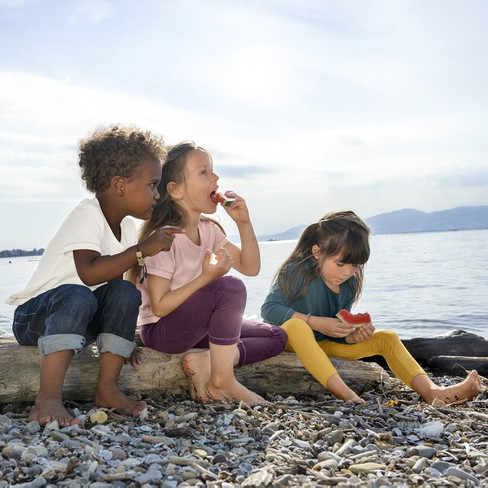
(314, 355)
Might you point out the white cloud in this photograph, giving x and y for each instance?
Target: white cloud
(372, 106)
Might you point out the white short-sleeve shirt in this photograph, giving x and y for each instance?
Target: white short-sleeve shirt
(84, 228)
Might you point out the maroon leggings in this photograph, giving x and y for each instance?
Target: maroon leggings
(214, 315)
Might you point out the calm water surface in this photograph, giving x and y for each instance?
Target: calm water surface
(420, 285)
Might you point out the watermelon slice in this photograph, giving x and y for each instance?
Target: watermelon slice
(218, 197)
(355, 319)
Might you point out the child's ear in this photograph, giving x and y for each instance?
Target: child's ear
(118, 185)
(316, 251)
(174, 190)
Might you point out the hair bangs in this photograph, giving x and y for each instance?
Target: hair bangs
(356, 248)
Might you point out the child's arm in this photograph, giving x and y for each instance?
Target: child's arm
(93, 268)
(247, 258)
(361, 334)
(163, 301)
(328, 326)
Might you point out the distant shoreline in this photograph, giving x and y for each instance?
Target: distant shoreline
(294, 235)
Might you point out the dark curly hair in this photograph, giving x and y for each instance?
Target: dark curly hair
(116, 151)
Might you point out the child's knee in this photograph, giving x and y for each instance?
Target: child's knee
(71, 304)
(295, 326)
(231, 284)
(122, 295)
(125, 290)
(229, 291)
(297, 331)
(386, 339)
(387, 335)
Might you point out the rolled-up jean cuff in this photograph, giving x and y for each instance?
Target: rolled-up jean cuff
(60, 342)
(115, 345)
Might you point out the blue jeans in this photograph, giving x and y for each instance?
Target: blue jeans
(70, 316)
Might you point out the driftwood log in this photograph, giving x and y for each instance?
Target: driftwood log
(455, 343)
(452, 353)
(460, 364)
(455, 352)
(162, 373)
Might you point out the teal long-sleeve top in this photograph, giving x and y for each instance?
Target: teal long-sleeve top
(319, 300)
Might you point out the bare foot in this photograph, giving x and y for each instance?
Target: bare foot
(464, 391)
(232, 392)
(115, 398)
(355, 399)
(48, 409)
(340, 390)
(196, 366)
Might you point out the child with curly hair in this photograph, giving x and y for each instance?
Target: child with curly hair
(77, 295)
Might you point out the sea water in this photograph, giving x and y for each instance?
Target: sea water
(420, 285)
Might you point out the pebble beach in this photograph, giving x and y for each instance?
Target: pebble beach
(392, 440)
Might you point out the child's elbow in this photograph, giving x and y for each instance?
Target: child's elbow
(160, 311)
(253, 270)
(87, 281)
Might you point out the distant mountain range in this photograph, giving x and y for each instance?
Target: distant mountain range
(411, 220)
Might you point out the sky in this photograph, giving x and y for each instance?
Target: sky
(305, 105)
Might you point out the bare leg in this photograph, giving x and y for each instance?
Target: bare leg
(339, 389)
(429, 391)
(108, 393)
(222, 384)
(49, 402)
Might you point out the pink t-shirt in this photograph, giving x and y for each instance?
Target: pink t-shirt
(181, 264)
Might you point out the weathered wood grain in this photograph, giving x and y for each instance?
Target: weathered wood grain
(459, 365)
(162, 373)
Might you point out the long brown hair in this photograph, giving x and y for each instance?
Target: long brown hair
(167, 211)
(340, 233)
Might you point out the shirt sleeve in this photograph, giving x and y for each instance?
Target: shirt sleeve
(83, 229)
(219, 238)
(276, 308)
(162, 264)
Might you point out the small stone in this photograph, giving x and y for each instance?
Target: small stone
(50, 426)
(118, 454)
(59, 436)
(441, 466)
(99, 417)
(5, 424)
(432, 472)
(32, 427)
(201, 453)
(461, 474)
(426, 451)
(326, 464)
(239, 412)
(366, 467)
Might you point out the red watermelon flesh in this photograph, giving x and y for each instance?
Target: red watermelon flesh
(224, 200)
(354, 319)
